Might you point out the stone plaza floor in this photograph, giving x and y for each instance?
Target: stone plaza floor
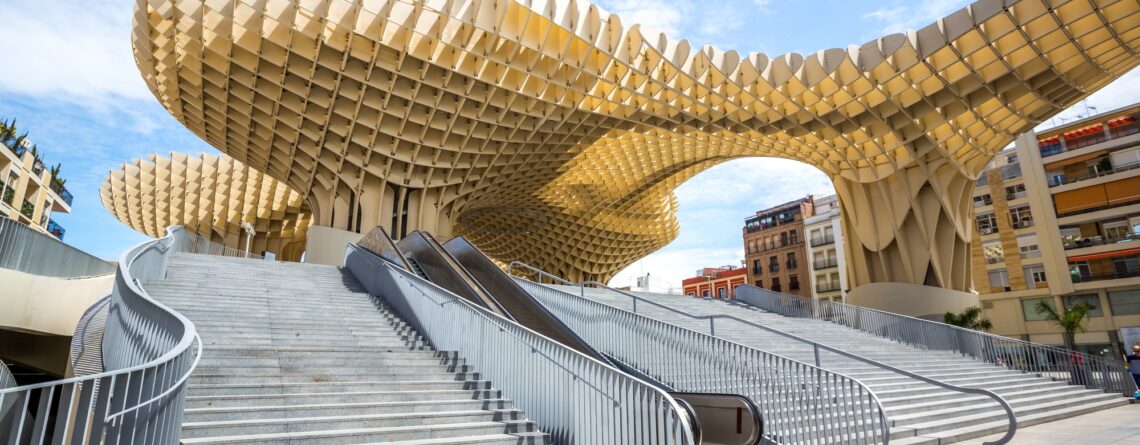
(1112, 426)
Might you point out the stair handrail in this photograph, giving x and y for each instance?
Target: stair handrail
(778, 419)
(465, 329)
(816, 346)
(149, 353)
(1011, 353)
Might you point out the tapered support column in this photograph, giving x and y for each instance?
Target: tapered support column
(910, 227)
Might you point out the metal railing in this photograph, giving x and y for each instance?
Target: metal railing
(1097, 240)
(1046, 361)
(27, 250)
(149, 351)
(825, 264)
(801, 403)
(6, 378)
(194, 243)
(573, 397)
(86, 356)
(817, 241)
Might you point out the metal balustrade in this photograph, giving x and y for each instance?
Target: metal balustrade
(27, 250)
(801, 403)
(1047, 361)
(149, 352)
(573, 397)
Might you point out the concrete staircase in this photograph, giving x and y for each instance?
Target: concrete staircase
(921, 413)
(301, 353)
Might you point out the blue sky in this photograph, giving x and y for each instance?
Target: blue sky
(71, 81)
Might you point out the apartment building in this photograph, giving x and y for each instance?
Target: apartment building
(714, 282)
(1058, 220)
(31, 192)
(828, 269)
(775, 254)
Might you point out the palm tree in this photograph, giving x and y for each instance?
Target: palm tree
(971, 318)
(1072, 320)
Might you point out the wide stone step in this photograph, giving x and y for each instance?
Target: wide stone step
(320, 387)
(221, 401)
(340, 409)
(387, 435)
(299, 424)
(301, 377)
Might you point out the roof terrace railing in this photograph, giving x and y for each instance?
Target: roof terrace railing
(573, 397)
(149, 352)
(1047, 361)
(801, 403)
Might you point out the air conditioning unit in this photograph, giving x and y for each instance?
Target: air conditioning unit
(986, 231)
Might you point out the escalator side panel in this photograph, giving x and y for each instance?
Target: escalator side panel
(439, 270)
(517, 302)
(379, 243)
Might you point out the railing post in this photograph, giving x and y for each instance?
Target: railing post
(712, 325)
(815, 346)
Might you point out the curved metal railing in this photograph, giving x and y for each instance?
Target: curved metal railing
(816, 348)
(86, 344)
(571, 396)
(150, 352)
(1047, 361)
(801, 403)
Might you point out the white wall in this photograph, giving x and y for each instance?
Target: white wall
(48, 304)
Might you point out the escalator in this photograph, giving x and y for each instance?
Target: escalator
(464, 270)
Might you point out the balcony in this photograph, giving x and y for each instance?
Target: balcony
(773, 267)
(56, 229)
(1065, 179)
(1022, 224)
(817, 241)
(776, 288)
(27, 209)
(982, 201)
(1098, 240)
(795, 285)
(792, 264)
(9, 194)
(821, 288)
(757, 271)
(826, 264)
(1123, 130)
(62, 192)
(1086, 140)
(1011, 171)
(1125, 273)
(1016, 195)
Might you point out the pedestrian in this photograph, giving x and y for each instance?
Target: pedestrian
(1133, 361)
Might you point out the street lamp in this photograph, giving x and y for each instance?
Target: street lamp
(249, 232)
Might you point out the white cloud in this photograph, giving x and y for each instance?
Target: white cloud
(654, 16)
(903, 15)
(76, 51)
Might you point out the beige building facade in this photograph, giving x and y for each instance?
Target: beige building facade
(1058, 220)
(28, 191)
(827, 266)
(775, 249)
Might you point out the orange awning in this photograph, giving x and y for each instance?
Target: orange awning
(1094, 256)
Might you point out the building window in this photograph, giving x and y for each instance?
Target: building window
(1092, 300)
(1027, 246)
(774, 264)
(720, 293)
(776, 284)
(1029, 308)
(1015, 192)
(1020, 217)
(759, 283)
(999, 279)
(1035, 276)
(793, 282)
(983, 200)
(1125, 302)
(993, 252)
(783, 239)
(756, 270)
(791, 260)
(987, 223)
(1126, 266)
(794, 236)
(705, 293)
(1080, 271)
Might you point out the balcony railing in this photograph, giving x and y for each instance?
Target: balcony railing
(984, 201)
(795, 285)
(1016, 195)
(1098, 240)
(828, 263)
(792, 264)
(1120, 131)
(55, 229)
(1023, 223)
(1065, 179)
(62, 192)
(1085, 141)
(773, 268)
(826, 287)
(1085, 278)
(757, 271)
(817, 241)
(994, 259)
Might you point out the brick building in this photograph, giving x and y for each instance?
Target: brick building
(775, 255)
(719, 282)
